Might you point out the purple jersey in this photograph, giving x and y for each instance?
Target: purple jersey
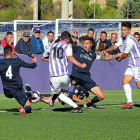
(58, 64)
(131, 48)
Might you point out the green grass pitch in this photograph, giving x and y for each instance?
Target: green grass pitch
(108, 122)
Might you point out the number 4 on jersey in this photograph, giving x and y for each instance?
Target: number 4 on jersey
(9, 72)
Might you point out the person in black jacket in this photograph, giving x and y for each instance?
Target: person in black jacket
(23, 46)
(112, 42)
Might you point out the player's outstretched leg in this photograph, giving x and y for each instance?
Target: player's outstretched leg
(68, 101)
(99, 96)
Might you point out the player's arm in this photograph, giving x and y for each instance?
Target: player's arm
(73, 60)
(75, 98)
(123, 56)
(107, 57)
(46, 54)
(29, 65)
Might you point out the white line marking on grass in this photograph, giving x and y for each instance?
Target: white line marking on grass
(3, 111)
(115, 94)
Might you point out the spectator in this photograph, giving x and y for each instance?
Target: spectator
(8, 41)
(90, 34)
(48, 40)
(101, 44)
(137, 36)
(111, 42)
(23, 46)
(1, 48)
(36, 42)
(74, 38)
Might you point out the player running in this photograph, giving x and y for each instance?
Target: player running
(60, 53)
(82, 76)
(132, 51)
(12, 81)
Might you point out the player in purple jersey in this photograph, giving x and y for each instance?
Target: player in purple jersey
(60, 53)
(132, 51)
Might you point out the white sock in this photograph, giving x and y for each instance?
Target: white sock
(67, 100)
(128, 92)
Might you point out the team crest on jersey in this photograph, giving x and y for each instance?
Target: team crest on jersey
(76, 91)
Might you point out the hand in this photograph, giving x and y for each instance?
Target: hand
(83, 65)
(34, 60)
(120, 54)
(103, 52)
(32, 55)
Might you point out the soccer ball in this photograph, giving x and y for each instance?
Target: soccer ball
(36, 97)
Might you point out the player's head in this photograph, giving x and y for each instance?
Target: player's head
(137, 36)
(65, 36)
(8, 51)
(86, 43)
(90, 32)
(126, 28)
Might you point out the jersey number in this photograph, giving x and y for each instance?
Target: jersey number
(58, 53)
(9, 72)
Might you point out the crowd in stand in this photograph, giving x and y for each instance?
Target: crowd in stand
(30, 45)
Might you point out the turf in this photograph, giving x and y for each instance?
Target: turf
(108, 122)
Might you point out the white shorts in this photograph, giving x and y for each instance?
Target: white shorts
(59, 83)
(133, 72)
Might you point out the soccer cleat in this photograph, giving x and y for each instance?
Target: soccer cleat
(28, 87)
(127, 106)
(78, 110)
(21, 110)
(90, 107)
(49, 102)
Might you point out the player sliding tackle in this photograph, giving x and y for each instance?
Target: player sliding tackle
(133, 71)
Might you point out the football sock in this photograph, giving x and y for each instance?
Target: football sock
(67, 100)
(54, 97)
(27, 109)
(128, 92)
(94, 100)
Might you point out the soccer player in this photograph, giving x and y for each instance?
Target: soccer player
(12, 81)
(133, 52)
(58, 69)
(76, 95)
(82, 76)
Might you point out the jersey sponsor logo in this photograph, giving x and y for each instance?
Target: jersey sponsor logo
(86, 57)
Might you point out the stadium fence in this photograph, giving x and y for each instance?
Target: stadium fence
(60, 25)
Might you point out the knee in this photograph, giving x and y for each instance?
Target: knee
(138, 86)
(101, 97)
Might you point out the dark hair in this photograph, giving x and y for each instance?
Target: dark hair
(86, 38)
(50, 32)
(65, 35)
(136, 33)
(91, 29)
(104, 32)
(8, 50)
(9, 33)
(126, 24)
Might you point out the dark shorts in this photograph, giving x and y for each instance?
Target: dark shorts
(84, 80)
(19, 95)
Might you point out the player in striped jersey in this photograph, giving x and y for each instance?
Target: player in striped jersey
(132, 51)
(60, 53)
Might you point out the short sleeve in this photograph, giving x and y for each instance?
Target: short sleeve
(119, 43)
(69, 51)
(128, 46)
